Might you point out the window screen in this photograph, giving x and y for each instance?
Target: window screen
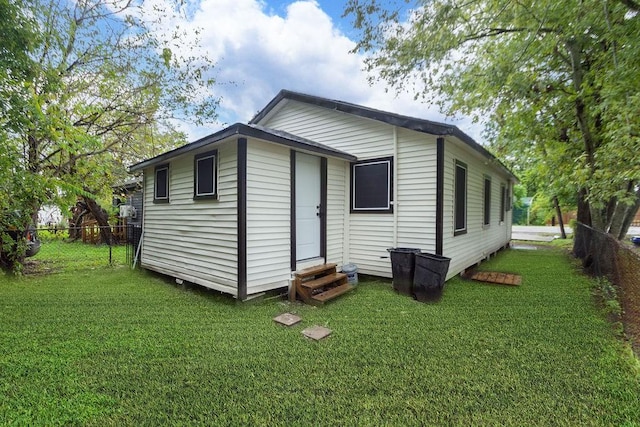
(161, 188)
(460, 198)
(371, 186)
(503, 201)
(205, 175)
(487, 201)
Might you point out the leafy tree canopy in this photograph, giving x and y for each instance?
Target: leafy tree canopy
(557, 80)
(88, 86)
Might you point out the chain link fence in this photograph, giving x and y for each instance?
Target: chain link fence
(80, 248)
(604, 256)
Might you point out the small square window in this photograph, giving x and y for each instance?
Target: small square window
(372, 186)
(161, 184)
(205, 175)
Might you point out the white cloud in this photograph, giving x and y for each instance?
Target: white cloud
(258, 53)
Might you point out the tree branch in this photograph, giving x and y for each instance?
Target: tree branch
(493, 32)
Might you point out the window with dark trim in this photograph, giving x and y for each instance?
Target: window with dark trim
(372, 185)
(205, 175)
(487, 201)
(503, 201)
(161, 184)
(460, 200)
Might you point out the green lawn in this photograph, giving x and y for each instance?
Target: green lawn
(57, 255)
(108, 346)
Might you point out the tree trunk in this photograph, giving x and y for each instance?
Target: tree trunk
(102, 218)
(628, 217)
(79, 211)
(560, 220)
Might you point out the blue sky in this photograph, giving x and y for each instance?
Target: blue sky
(263, 46)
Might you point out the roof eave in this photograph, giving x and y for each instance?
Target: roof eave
(207, 140)
(412, 123)
(239, 129)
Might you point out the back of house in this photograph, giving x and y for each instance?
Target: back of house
(311, 181)
(415, 183)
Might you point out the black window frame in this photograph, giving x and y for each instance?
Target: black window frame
(503, 202)
(457, 209)
(486, 201)
(159, 168)
(388, 208)
(196, 176)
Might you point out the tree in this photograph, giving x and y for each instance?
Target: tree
(558, 80)
(105, 73)
(19, 188)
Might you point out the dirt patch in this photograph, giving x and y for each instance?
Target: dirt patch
(35, 267)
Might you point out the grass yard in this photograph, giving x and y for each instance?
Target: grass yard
(109, 346)
(57, 255)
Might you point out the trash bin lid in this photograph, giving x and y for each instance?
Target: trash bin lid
(349, 268)
(405, 250)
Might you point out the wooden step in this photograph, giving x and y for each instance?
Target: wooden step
(324, 281)
(316, 270)
(332, 293)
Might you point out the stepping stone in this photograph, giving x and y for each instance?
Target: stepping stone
(316, 332)
(495, 277)
(287, 319)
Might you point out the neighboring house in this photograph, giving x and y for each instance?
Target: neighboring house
(129, 193)
(49, 216)
(311, 180)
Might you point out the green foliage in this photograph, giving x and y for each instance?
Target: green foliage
(85, 91)
(540, 211)
(607, 296)
(111, 346)
(557, 80)
(519, 193)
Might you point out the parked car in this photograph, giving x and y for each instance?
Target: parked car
(31, 235)
(635, 240)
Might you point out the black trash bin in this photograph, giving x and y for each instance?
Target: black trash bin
(429, 274)
(402, 267)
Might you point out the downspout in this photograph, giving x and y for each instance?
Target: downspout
(242, 218)
(395, 186)
(439, 225)
(346, 247)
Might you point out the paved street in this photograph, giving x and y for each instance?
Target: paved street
(541, 233)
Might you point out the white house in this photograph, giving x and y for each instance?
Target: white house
(311, 181)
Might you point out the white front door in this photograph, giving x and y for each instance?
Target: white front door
(307, 206)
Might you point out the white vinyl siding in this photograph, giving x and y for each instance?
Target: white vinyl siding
(337, 192)
(369, 234)
(479, 241)
(369, 237)
(194, 240)
(416, 198)
(413, 223)
(364, 138)
(268, 216)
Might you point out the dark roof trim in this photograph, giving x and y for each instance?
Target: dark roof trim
(412, 123)
(251, 131)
